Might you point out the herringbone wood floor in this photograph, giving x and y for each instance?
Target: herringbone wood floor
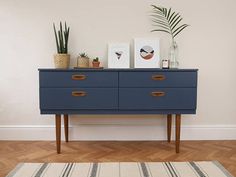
(13, 152)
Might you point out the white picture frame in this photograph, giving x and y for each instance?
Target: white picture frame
(118, 55)
(147, 53)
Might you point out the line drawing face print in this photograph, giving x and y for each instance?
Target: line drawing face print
(146, 52)
(119, 54)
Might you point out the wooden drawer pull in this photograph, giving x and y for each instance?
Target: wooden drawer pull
(79, 93)
(78, 77)
(158, 77)
(158, 94)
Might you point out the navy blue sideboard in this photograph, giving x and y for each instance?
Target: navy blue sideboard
(118, 91)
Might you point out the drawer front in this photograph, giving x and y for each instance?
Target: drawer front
(157, 98)
(78, 98)
(78, 79)
(158, 79)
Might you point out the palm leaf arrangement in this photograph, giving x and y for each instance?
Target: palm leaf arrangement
(168, 21)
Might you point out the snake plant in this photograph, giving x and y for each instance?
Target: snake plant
(62, 37)
(167, 21)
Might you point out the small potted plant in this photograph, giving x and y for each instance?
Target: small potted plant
(83, 60)
(96, 62)
(62, 58)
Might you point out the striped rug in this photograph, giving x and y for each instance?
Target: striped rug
(121, 169)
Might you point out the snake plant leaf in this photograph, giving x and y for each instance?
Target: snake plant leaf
(55, 33)
(166, 20)
(60, 27)
(66, 40)
(60, 41)
(65, 36)
(68, 32)
(65, 27)
(62, 37)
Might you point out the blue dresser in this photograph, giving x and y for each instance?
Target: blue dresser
(118, 91)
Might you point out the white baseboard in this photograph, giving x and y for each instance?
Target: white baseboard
(117, 132)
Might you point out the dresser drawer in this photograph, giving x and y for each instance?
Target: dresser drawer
(157, 98)
(78, 98)
(158, 79)
(78, 79)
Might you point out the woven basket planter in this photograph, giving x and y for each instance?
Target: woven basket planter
(62, 61)
(83, 62)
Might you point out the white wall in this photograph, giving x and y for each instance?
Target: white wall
(27, 43)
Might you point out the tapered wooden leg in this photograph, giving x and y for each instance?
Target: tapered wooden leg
(169, 121)
(66, 127)
(177, 133)
(58, 132)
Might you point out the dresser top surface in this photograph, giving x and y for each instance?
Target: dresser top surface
(116, 69)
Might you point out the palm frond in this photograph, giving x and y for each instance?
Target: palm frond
(179, 29)
(170, 18)
(160, 22)
(166, 20)
(163, 27)
(175, 17)
(161, 30)
(168, 15)
(175, 23)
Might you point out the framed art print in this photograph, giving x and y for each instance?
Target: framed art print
(146, 53)
(118, 55)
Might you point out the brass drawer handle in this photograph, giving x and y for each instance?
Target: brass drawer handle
(78, 77)
(158, 77)
(158, 94)
(78, 93)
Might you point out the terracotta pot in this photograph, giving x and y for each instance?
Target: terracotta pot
(62, 61)
(96, 64)
(83, 62)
